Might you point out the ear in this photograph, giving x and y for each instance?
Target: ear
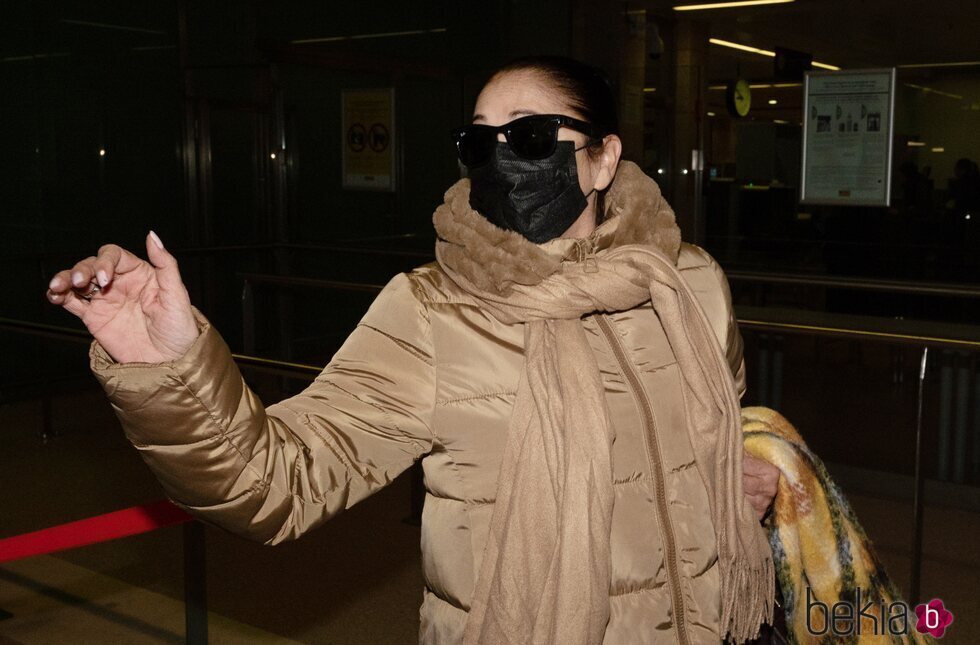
(612, 148)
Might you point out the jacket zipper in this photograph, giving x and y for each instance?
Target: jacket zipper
(655, 464)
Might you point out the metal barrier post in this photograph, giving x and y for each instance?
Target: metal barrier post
(248, 317)
(917, 495)
(195, 589)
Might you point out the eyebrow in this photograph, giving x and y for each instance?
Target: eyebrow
(513, 115)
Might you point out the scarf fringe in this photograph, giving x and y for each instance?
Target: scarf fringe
(748, 598)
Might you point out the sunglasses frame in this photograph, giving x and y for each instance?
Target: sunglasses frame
(555, 120)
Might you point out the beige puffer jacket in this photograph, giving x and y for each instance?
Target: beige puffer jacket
(426, 374)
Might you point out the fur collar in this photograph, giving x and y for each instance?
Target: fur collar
(494, 258)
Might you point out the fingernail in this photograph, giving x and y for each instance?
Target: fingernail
(77, 278)
(102, 277)
(54, 283)
(156, 239)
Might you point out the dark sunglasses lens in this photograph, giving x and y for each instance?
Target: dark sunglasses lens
(533, 138)
(475, 145)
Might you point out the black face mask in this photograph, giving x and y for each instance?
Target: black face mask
(539, 199)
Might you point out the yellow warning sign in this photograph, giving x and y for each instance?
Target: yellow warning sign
(368, 135)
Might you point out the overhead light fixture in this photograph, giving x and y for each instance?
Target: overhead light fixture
(939, 149)
(916, 144)
(386, 34)
(727, 5)
(929, 90)
(759, 86)
(28, 57)
(649, 90)
(101, 152)
(711, 113)
(761, 52)
(105, 25)
(773, 101)
(741, 47)
(965, 63)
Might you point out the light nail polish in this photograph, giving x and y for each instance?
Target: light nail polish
(156, 239)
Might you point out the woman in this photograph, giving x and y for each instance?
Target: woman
(572, 386)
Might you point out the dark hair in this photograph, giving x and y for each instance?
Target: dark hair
(585, 88)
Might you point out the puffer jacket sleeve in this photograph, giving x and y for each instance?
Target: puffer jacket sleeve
(272, 473)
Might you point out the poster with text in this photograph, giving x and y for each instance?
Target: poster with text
(369, 137)
(847, 137)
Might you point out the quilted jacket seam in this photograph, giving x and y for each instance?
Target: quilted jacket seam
(473, 397)
(223, 433)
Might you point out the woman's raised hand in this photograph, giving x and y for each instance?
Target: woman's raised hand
(138, 311)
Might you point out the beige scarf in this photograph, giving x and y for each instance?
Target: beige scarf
(545, 573)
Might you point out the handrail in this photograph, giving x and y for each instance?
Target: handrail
(66, 333)
(950, 289)
(289, 281)
(860, 284)
(80, 336)
(820, 330)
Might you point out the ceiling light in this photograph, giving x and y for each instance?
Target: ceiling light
(740, 47)
(727, 5)
(929, 90)
(966, 63)
(939, 149)
(773, 101)
(387, 34)
(105, 25)
(711, 113)
(762, 52)
(101, 152)
(649, 90)
(916, 144)
(11, 59)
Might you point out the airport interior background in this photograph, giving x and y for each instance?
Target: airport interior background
(226, 128)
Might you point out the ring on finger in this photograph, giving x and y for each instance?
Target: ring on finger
(93, 289)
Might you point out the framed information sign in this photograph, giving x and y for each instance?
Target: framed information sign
(368, 126)
(848, 123)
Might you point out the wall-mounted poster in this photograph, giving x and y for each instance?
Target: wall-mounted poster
(368, 130)
(847, 137)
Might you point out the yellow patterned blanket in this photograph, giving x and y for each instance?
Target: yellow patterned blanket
(825, 563)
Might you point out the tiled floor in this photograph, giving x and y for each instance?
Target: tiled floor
(357, 579)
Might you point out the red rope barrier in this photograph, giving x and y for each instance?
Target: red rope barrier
(101, 528)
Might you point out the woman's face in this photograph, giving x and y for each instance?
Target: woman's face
(516, 94)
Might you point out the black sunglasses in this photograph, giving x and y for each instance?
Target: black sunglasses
(530, 137)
